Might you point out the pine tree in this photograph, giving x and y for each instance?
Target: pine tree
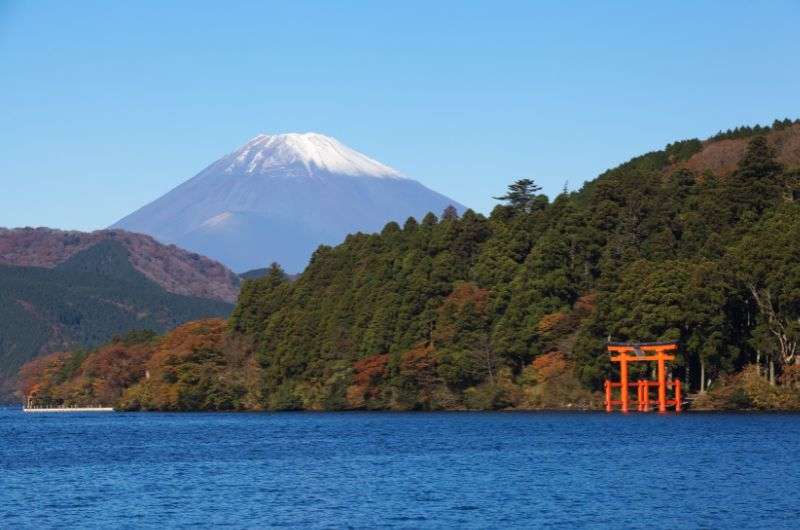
(521, 195)
(756, 185)
(450, 213)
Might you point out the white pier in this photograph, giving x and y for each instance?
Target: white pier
(68, 409)
(31, 406)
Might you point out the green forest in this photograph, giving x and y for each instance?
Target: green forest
(85, 301)
(513, 310)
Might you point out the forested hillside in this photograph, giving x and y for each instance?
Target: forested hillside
(514, 310)
(174, 269)
(85, 301)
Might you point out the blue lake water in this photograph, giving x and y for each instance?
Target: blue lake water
(416, 470)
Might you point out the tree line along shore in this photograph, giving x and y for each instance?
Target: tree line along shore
(697, 243)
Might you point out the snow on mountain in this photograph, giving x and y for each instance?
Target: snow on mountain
(280, 196)
(308, 153)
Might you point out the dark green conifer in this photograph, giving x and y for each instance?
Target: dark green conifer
(521, 195)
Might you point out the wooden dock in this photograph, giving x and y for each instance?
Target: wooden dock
(68, 409)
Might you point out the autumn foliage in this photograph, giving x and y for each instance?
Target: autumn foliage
(750, 390)
(550, 383)
(368, 374)
(510, 310)
(194, 367)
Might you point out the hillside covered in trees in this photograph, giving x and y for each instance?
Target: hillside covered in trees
(84, 301)
(699, 243)
(174, 269)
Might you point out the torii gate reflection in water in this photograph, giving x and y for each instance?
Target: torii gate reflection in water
(643, 352)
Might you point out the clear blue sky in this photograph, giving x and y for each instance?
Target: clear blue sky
(104, 105)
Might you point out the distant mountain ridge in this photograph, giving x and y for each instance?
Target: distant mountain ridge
(279, 197)
(174, 269)
(85, 300)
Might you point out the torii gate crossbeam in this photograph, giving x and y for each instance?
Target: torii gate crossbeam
(643, 352)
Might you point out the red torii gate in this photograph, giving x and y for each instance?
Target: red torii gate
(643, 352)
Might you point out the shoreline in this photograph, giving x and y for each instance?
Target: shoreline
(415, 412)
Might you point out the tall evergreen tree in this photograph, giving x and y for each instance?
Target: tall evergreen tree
(757, 183)
(521, 195)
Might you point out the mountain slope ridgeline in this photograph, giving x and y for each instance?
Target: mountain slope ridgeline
(278, 198)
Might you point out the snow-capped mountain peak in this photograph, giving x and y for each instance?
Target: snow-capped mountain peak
(296, 154)
(278, 198)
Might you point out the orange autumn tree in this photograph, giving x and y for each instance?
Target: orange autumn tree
(417, 378)
(550, 382)
(40, 378)
(113, 368)
(88, 378)
(369, 374)
(196, 367)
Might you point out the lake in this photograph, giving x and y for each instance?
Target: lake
(401, 470)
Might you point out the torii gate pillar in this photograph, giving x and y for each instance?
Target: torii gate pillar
(662, 382)
(655, 351)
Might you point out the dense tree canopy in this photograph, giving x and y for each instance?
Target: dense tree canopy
(643, 253)
(506, 310)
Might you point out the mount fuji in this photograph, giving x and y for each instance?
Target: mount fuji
(280, 196)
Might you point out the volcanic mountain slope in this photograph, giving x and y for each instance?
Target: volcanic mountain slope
(71, 289)
(279, 197)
